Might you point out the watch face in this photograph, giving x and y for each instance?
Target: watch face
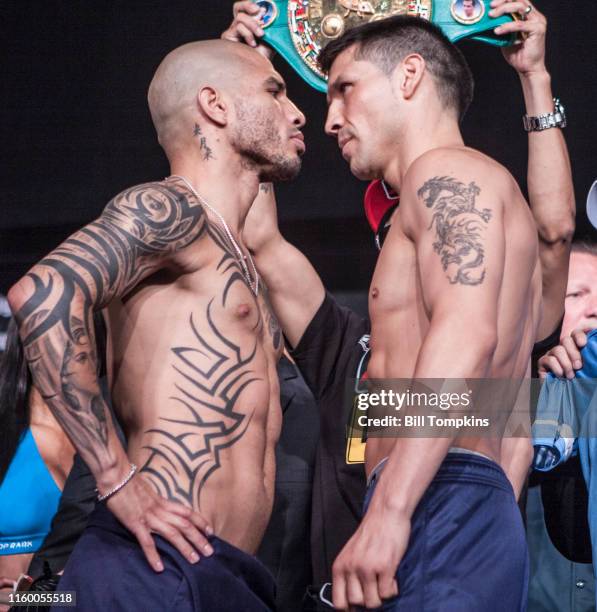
(313, 23)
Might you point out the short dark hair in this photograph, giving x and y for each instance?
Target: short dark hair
(584, 246)
(387, 41)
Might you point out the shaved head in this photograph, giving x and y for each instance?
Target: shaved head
(186, 70)
(222, 100)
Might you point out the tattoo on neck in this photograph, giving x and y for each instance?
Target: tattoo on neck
(203, 146)
(265, 187)
(459, 228)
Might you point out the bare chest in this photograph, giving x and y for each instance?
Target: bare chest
(396, 307)
(395, 287)
(205, 319)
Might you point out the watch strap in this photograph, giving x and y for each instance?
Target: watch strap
(538, 123)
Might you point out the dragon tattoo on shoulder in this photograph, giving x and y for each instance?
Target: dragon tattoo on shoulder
(459, 228)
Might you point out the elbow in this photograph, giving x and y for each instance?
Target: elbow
(560, 232)
(486, 341)
(17, 296)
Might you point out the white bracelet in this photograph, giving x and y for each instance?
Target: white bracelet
(117, 488)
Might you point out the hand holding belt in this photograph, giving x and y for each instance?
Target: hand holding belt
(299, 29)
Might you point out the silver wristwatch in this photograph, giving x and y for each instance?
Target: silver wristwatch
(549, 120)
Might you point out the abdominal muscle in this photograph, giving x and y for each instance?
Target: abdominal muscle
(237, 496)
(220, 464)
(203, 431)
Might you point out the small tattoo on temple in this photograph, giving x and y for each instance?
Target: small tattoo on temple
(459, 228)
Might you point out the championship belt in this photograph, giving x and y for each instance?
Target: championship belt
(299, 29)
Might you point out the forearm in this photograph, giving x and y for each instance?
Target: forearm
(414, 461)
(550, 186)
(59, 346)
(295, 290)
(294, 287)
(411, 467)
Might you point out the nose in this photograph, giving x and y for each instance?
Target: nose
(333, 121)
(297, 117)
(591, 306)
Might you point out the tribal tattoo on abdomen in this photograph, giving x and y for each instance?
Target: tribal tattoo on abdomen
(211, 373)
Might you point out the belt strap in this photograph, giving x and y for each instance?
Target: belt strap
(294, 27)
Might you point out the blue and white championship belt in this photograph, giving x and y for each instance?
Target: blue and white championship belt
(299, 29)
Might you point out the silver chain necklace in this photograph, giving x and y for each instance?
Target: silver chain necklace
(254, 286)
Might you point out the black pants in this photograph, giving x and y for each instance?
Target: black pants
(108, 571)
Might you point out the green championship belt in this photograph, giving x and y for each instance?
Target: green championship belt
(299, 29)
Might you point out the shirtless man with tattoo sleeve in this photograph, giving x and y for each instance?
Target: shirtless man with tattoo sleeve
(193, 347)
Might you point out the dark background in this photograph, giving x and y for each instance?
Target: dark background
(76, 129)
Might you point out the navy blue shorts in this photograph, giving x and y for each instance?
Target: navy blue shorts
(108, 571)
(467, 550)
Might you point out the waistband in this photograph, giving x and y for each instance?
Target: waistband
(460, 465)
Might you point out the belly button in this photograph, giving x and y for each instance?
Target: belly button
(374, 292)
(243, 311)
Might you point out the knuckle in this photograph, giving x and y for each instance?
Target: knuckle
(338, 567)
(141, 523)
(184, 511)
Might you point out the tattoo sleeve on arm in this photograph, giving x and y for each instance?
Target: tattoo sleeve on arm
(459, 228)
(131, 239)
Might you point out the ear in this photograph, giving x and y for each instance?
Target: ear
(413, 68)
(210, 103)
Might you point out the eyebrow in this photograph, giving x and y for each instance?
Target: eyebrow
(334, 86)
(275, 83)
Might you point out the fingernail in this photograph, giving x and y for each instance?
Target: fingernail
(208, 550)
(260, 32)
(253, 43)
(159, 566)
(498, 30)
(492, 3)
(491, 13)
(194, 557)
(209, 530)
(577, 365)
(570, 375)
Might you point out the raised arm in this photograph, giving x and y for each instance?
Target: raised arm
(139, 231)
(550, 187)
(294, 287)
